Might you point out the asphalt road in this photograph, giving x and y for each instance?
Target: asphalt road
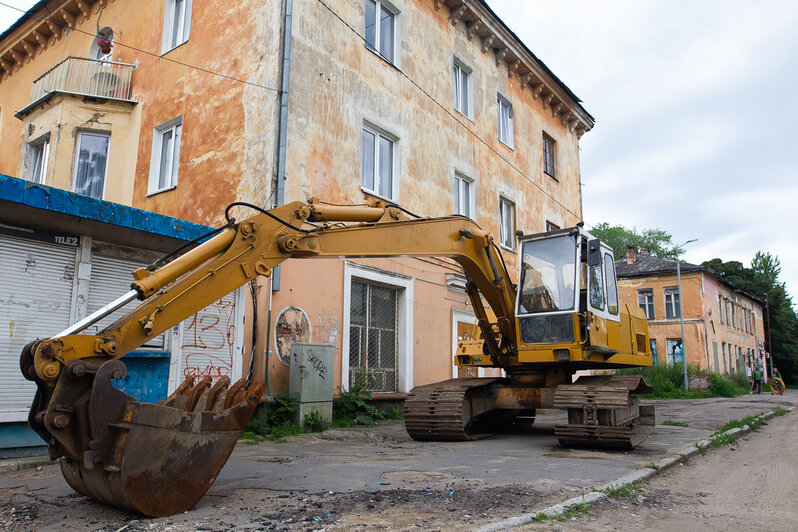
(377, 477)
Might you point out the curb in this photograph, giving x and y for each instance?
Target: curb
(635, 477)
(21, 464)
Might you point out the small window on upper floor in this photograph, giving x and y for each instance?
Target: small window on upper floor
(504, 111)
(91, 164)
(165, 159)
(378, 163)
(672, 306)
(380, 31)
(463, 196)
(645, 300)
(549, 156)
(507, 221)
(36, 159)
(463, 99)
(176, 24)
(551, 227)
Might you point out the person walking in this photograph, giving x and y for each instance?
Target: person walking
(757, 387)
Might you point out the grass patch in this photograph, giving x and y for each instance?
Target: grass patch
(575, 511)
(719, 437)
(674, 423)
(624, 492)
(667, 382)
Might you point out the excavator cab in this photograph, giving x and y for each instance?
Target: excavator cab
(568, 308)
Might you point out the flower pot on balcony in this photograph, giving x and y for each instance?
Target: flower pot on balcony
(105, 49)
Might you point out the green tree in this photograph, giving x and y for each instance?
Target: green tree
(658, 241)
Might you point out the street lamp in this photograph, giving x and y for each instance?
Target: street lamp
(681, 312)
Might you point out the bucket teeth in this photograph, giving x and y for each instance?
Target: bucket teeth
(156, 459)
(206, 400)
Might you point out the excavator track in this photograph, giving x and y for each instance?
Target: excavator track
(603, 413)
(449, 410)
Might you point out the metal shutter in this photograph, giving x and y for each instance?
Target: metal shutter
(35, 298)
(111, 278)
(211, 342)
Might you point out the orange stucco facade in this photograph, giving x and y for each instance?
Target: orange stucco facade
(223, 86)
(711, 339)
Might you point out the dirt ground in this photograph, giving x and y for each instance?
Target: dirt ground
(749, 485)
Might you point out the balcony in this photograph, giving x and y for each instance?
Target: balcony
(83, 77)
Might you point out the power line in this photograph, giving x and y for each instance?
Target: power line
(146, 52)
(456, 119)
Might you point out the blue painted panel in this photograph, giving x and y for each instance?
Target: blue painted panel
(56, 200)
(18, 434)
(147, 376)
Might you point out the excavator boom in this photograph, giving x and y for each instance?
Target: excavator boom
(160, 459)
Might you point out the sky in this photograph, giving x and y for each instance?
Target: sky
(694, 101)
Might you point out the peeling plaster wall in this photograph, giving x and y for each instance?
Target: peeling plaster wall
(702, 326)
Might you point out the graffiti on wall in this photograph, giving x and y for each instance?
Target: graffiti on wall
(209, 341)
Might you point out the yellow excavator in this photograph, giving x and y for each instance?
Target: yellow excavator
(159, 459)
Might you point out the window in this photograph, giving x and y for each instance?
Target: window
(380, 29)
(36, 159)
(675, 353)
(612, 289)
(595, 287)
(165, 155)
(91, 163)
(461, 78)
(176, 24)
(504, 110)
(720, 309)
(373, 336)
(653, 343)
(645, 300)
(507, 220)
(551, 227)
(672, 302)
(462, 196)
(377, 170)
(549, 156)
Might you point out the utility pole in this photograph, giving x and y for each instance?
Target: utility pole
(681, 308)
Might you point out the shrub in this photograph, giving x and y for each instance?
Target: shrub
(352, 406)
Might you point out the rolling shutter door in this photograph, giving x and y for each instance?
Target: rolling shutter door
(35, 298)
(211, 342)
(111, 278)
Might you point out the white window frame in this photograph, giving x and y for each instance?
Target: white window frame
(504, 200)
(504, 114)
(392, 9)
(461, 181)
(671, 291)
(76, 162)
(184, 24)
(649, 304)
(380, 132)
(174, 125)
(404, 331)
(463, 76)
(30, 171)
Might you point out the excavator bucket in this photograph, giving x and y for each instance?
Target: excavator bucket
(156, 459)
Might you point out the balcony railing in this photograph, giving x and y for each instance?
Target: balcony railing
(88, 77)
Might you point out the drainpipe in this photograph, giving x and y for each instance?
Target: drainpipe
(282, 143)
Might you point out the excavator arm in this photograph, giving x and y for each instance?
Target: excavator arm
(160, 459)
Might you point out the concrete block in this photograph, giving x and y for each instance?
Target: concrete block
(551, 511)
(8, 465)
(691, 450)
(34, 462)
(635, 477)
(667, 463)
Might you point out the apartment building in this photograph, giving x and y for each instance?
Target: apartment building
(723, 326)
(435, 105)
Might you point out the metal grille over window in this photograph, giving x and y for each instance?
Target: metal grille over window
(373, 340)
